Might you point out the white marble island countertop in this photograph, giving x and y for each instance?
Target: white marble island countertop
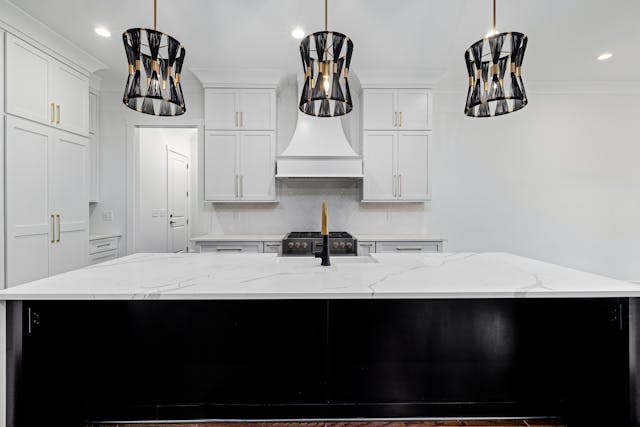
(264, 276)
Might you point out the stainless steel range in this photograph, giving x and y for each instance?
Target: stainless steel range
(308, 243)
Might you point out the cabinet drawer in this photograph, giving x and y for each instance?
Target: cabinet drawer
(273, 247)
(366, 248)
(407, 247)
(230, 247)
(102, 257)
(103, 245)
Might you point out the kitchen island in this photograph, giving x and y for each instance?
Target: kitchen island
(253, 336)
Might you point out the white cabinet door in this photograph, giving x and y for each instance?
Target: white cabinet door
(221, 166)
(221, 109)
(93, 113)
(379, 165)
(413, 166)
(414, 109)
(29, 221)
(257, 166)
(94, 165)
(257, 109)
(27, 81)
(68, 195)
(71, 96)
(379, 109)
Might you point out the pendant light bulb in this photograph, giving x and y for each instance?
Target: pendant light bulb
(326, 83)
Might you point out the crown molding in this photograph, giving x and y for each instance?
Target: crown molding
(239, 77)
(400, 78)
(19, 23)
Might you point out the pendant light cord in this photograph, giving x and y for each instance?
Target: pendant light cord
(495, 30)
(326, 15)
(155, 15)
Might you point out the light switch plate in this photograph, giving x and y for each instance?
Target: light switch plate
(107, 216)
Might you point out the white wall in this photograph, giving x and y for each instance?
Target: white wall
(558, 181)
(151, 230)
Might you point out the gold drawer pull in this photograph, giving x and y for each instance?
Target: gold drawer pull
(53, 112)
(58, 109)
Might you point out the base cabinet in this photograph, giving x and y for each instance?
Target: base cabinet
(47, 188)
(320, 359)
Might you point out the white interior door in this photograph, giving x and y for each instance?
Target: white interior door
(413, 106)
(69, 196)
(71, 95)
(257, 166)
(221, 166)
(221, 106)
(379, 165)
(379, 109)
(413, 166)
(29, 222)
(257, 109)
(27, 81)
(177, 200)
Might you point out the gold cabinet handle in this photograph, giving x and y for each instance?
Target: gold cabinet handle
(241, 119)
(58, 110)
(400, 118)
(395, 119)
(237, 119)
(53, 112)
(58, 218)
(241, 185)
(53, 229)
(399, 185)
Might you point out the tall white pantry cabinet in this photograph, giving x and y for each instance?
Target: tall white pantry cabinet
(46, 164)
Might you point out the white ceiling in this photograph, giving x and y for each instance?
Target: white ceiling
(565, 36)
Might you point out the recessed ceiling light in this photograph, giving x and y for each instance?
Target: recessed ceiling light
(103, 32)
(297, 33)
(605, 56)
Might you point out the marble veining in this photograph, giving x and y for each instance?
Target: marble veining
(264, 276)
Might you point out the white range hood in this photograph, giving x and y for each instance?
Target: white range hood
(319, 149)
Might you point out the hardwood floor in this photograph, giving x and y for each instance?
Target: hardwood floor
(447, 423)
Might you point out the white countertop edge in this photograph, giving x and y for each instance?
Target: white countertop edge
(397, 238)
(320, 296)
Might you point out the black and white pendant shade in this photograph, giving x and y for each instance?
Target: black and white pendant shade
(494, 65)
(326, 57)
(155, 63)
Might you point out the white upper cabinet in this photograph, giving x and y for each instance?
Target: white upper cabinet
(257, 166)
(27, 82)
(414, 109)
(379, 168)
(379, 109)
(240, 166)
(43, 89)
(240, 109)
(221, 166)
(397, 109)
(221, 109)
(257, 108)
(413, 166)
(71, 96)
(396, 166)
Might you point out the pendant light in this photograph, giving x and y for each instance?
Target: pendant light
(494, 65)
(326, 56)
(155, 63)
